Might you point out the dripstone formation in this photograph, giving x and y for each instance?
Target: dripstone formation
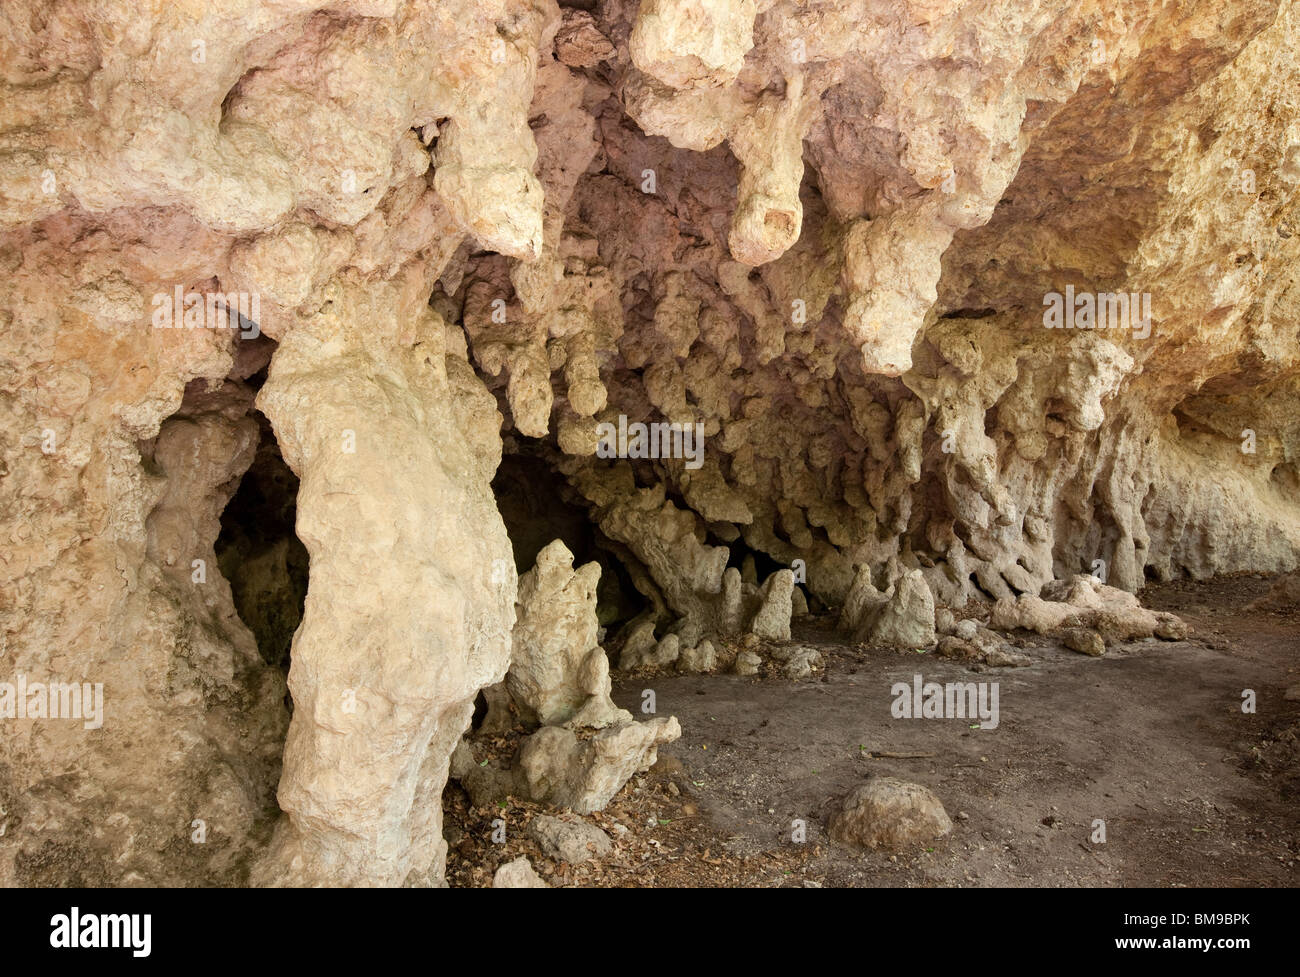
(962, 299)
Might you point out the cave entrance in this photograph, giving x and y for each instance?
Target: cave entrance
(538, 506)
(258, 551)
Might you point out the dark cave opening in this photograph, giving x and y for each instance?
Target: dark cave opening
(537, 506)
(260, 554)
(763, 564)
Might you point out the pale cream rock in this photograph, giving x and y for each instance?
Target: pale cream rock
(569, 841)
(701, 658)
(906, 619)
(384, 675)
(558, 672)
(518, 874)
(870, 367)
(772, 621)
(584, 775)
(1083, 602)
(693, 42)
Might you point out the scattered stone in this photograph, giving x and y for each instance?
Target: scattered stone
(667, 651)
(557, 669)
(1082, 601)
(950, 646)
(907, 619)
(889, 813)
(802, 663)
(486, 784)
(1172, 628)
(1004, 657)
(518, 874)
(862, 603)
(702, 658)
(639, 654)
(747, 663)
(639, 644)
(1033, 614)
(1085, 641)
(984, 648)
(569, 841)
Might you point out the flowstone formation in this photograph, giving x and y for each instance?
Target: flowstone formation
(873, 310)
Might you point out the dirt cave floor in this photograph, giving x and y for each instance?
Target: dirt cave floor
(1151, 739)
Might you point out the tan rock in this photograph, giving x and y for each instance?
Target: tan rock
(772, 621)
(558, 671)
(384, 677)
(583, 776)
(889, 813)
(1085, 641)
(518, 874)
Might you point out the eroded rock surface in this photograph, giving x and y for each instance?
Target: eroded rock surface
(405, 620)
(825, 248)
(558, 671)
(561, 769)
(518, 874)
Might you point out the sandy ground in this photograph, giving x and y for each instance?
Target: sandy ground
(1151, 740)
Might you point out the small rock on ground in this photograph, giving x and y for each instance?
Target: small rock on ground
(518, 874)
(569, 841)
(889, 813)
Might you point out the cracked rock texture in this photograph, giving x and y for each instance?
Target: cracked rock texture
(822, 238)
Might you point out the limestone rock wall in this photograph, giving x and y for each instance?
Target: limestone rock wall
(818, 236)
(118, 459)
(881, 384)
